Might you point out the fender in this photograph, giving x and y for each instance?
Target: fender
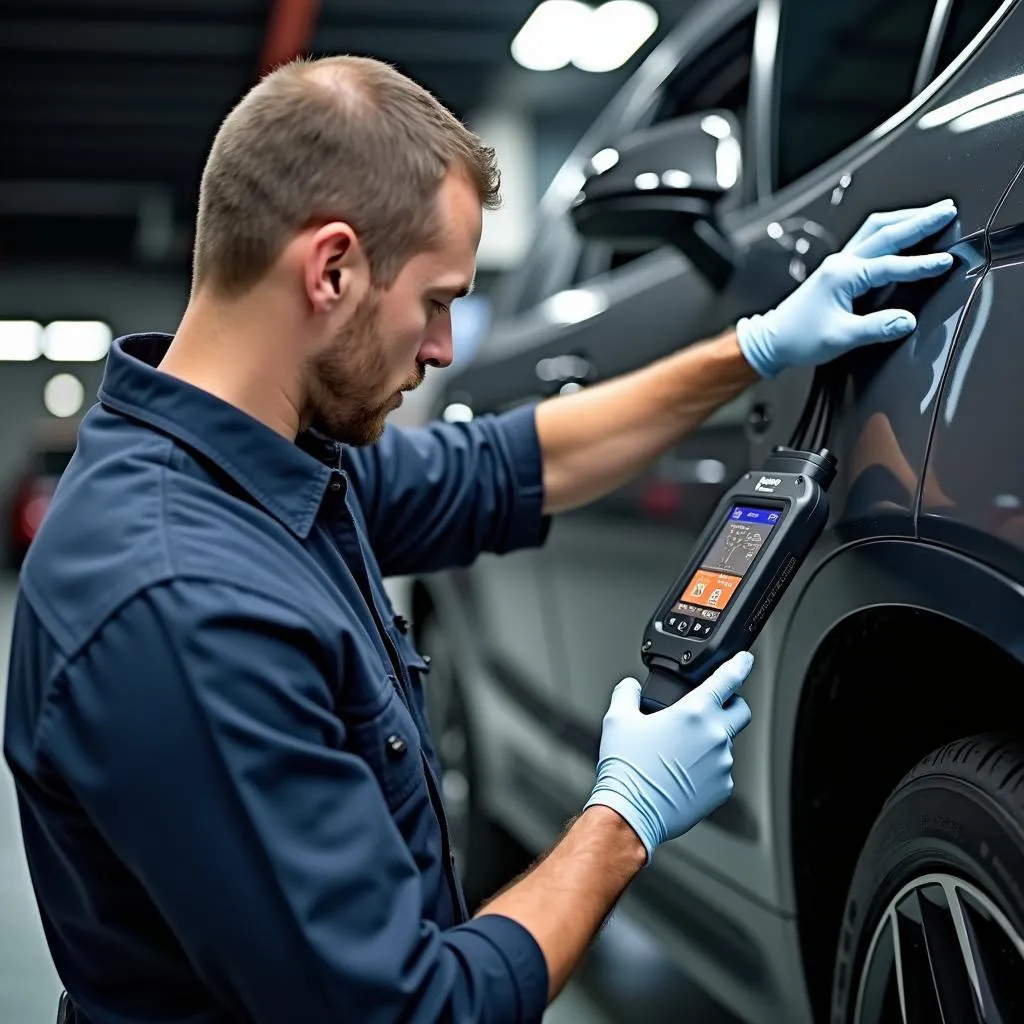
(875, 574)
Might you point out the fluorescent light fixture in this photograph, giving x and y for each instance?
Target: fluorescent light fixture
(676, 179)
(716, 126)
(76, 341)
(982, 116)
(63, 395)
(573, 306)
(613, 33)
(646, 181)
(973, 100)
(561, 32)
(605, 160)
(550, 37)
(21, 341)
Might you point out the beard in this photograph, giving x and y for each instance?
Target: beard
(346, 382)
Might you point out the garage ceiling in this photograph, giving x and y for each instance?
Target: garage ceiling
(107, 107)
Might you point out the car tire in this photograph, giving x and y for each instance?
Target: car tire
(488, 858)
(933, 927)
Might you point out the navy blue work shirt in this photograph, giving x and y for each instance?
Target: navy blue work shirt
(228, 795)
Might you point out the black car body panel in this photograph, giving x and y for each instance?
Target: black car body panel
(926, 539)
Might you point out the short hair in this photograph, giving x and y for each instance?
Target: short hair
(339, 138)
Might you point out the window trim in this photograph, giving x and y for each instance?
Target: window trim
(791, 197)
(933, 43)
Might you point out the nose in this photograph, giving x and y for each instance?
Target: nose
(437, 348)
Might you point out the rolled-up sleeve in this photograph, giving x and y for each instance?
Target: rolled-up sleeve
(198, 732)
(435, 497)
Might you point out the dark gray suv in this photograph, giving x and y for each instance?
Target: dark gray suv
(870, 864)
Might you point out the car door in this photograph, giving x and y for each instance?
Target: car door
(973, 498)
(885, 148)
(606, 564)
(817, 187)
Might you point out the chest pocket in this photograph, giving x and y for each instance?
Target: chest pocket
(418, 671)
(390, 745)
(389, 742)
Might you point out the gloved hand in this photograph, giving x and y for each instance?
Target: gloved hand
(666, 771)
(816, 323)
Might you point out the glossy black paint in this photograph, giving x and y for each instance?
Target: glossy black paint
(927, 510)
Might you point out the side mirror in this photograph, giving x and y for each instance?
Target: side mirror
(663, 184)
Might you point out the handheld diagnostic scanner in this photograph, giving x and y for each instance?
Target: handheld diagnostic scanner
(759, 535)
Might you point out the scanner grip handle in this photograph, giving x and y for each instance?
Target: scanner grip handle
(663, 687)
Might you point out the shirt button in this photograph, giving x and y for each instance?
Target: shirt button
(335, 484)
(396, 746)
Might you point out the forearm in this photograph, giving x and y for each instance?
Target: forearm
(594, 441)
(564, 900)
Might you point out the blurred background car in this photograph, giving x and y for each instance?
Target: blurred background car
(747, 148)
(30, 492)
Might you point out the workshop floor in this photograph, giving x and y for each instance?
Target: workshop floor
(623, 979)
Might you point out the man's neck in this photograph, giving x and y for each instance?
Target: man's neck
(229, 352)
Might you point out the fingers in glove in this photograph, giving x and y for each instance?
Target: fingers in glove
(625, 697)
(737, 716)
(882, 219)
(885, 270)
(727, 678)
(906, 233)
(884, 325)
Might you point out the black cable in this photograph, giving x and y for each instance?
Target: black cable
(810, 411)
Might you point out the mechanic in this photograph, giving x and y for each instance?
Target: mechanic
(228, 793)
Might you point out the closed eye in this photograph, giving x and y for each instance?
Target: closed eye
(439, 307)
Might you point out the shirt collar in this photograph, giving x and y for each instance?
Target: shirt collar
(286, 479)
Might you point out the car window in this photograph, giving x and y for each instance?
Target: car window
(544, 269)
(966, 20)
(843, 69)
(719, 78)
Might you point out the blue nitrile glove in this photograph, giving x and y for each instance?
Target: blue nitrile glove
(816, 323)
(666, 771)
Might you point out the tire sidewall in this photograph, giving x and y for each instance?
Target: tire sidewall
(933, 823)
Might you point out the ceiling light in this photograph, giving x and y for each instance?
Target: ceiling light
(561, 32)
(76, 341)
(63, 395)
(646, 181)
(550, 37)
(20, 340)
(613, 33)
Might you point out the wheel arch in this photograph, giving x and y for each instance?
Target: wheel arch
(848, 722)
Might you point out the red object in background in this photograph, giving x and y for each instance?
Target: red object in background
(661, 499)
(32, 491)
(289, 31)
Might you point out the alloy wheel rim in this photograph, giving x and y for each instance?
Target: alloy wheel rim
(942, 951)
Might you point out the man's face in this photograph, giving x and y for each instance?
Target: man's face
(386, 345)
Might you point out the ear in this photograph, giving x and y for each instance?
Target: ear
(334, 269)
